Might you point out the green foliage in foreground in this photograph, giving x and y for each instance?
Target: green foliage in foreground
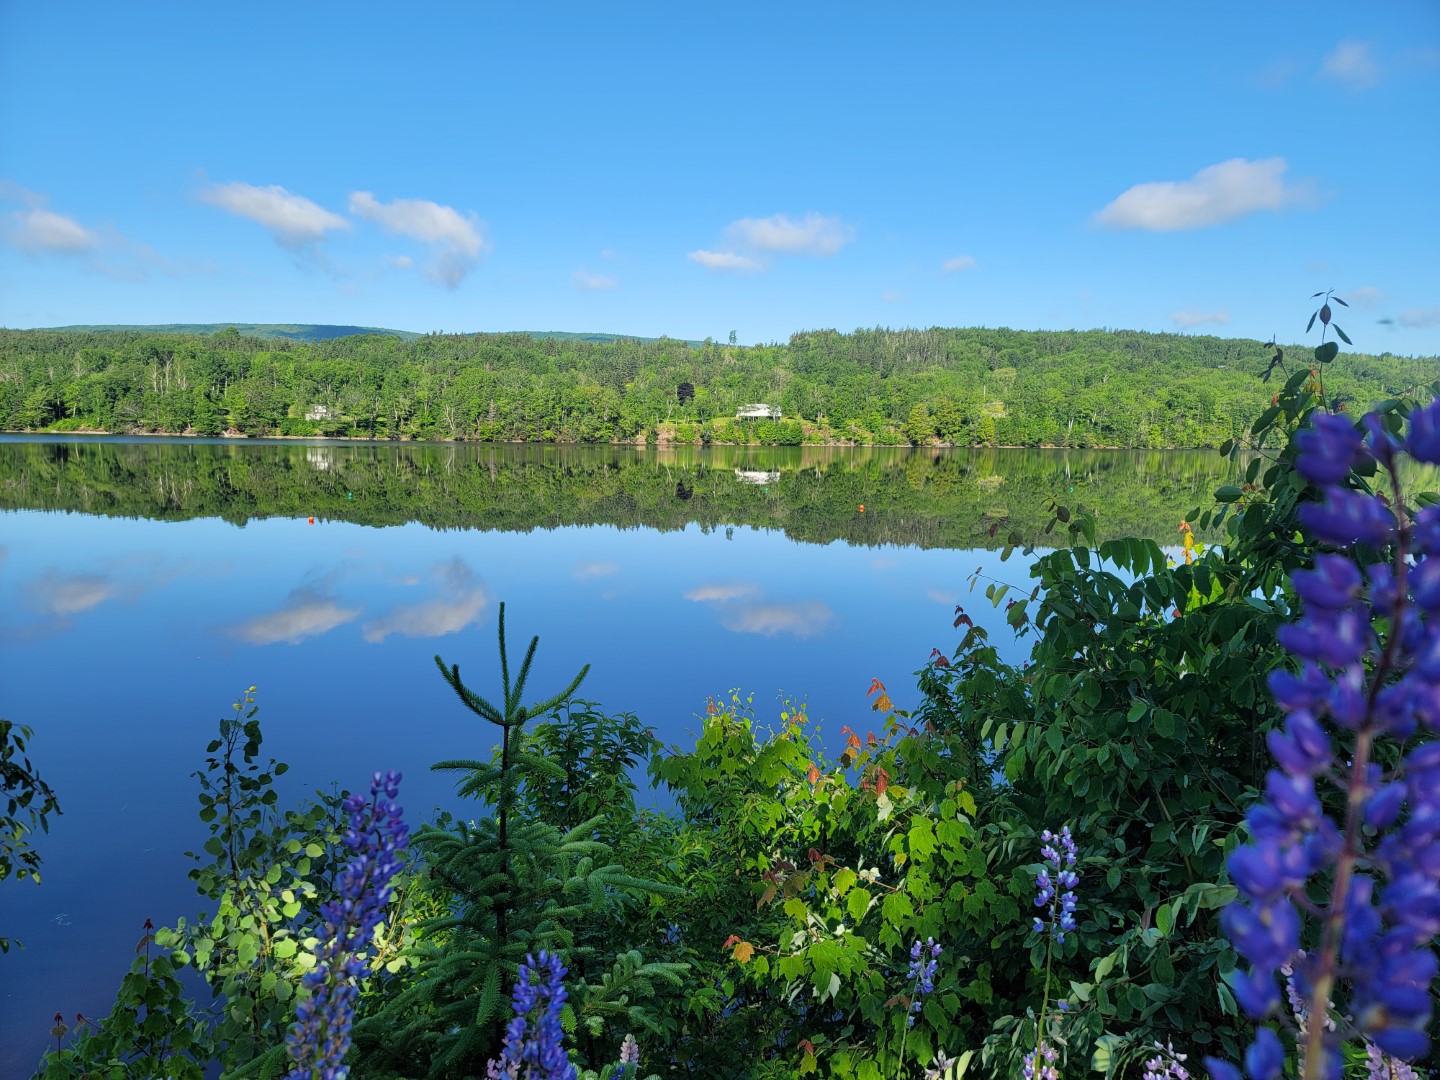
(763, 928)
(28, 803)
(962, 387)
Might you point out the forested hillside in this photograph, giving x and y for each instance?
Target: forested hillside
(975, 387)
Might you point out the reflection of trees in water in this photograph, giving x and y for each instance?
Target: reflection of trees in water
(920, 497)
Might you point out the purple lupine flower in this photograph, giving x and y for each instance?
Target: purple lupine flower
(1048, 1071)
(534, 1047)
(1423, 442)
(1381, 1066)
(922, 972)
(1166, 1064)
(1375, 949)
(320, 1039)
(1060, 906)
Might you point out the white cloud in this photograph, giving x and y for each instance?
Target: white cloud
(588, 282)
(1419, 317)
(802, 619)
(1365, 297)
(890, 296)
(1216, 194)
(403, 262)
(583, 571)
(293, 220)
(958, 263)
(38, 231)
(462, 600)
(1353, 65)
(305, 614)
(721, 592)
(457, 240)
(726, 260)
(814, 234)
(1191, 317)
(942, 596)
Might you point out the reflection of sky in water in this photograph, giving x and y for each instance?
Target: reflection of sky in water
(122, 642)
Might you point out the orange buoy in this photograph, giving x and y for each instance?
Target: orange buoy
(312, 521)
(862, 508)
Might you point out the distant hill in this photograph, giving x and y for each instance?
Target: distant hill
(325, 332)
(294, 331)
(565, 336)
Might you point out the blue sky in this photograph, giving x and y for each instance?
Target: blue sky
(696, 169)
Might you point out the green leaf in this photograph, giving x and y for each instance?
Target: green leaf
(1265, 419)
(857, 904)
(896, 909)
(1106, 1057)
(1228, 494)
(1105, 965)
(1327, 352)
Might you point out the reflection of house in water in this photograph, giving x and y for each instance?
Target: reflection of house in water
(758, 412)
(321, 457)
(758, 476)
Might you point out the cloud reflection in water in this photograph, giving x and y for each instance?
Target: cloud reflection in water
(462, 601)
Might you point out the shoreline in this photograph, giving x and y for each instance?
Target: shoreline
(667, 444)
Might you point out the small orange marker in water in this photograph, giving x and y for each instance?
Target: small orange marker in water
(312, 521)
(862, 508)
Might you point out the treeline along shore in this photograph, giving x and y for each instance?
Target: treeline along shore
(956, 387)
(871, 496)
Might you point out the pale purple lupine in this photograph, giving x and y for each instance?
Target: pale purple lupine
(629, 1059)
(1381, 1066)
(1166, 1064)
(1048, 1071)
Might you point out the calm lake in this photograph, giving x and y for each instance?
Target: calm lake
(145, 583)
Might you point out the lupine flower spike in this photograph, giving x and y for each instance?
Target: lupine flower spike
(629, 1059)
(1055, 893)
(924, 958)
(534, 1047)
(320, 1040)
(1048, 1071)
(1166, 1064)
(922, 972)
(1060, 906)
(1374, 947)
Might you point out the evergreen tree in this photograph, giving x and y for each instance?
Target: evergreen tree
(514, 884)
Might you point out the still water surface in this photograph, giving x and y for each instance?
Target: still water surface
(145, 583)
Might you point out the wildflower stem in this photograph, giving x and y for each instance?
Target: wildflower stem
(1044, 1004)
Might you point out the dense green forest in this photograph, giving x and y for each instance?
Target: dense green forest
(967, 387)
(927, 498)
